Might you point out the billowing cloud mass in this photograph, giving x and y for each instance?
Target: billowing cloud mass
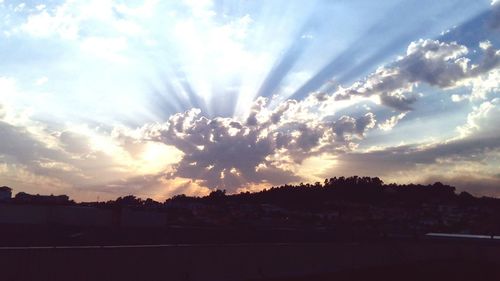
(471, 158)
(100, 99)
(431, 62)
(46, 157)
(483, 121)
(227, 153)
(269, 144)
(388, 124)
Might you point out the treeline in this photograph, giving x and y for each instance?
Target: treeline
(317, 196)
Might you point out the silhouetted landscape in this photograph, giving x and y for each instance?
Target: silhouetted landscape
(353, 208)
(356, 217)
(182, 140)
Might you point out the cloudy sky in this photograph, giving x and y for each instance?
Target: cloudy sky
(104, 98)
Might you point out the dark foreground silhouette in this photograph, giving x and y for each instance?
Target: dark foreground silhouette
(456, 270)
(354, 228)
(340, 209)
(390, 260)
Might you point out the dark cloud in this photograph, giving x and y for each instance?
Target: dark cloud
(431, 62)
(409, 157)
(75, 143)
(254, 110)
(348, 126)
(221, 152)
(266, 145)
(479, 186)
(479, 136)
(405, 21)
(398, 101)
(132, 185)
(226, 153)
(60, 158)
(20, 146)
(480, 141)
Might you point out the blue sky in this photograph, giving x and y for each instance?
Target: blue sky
(155, 98)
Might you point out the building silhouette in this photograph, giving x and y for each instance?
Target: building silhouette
(5, 193)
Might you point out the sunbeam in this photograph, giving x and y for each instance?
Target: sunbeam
(197, 95)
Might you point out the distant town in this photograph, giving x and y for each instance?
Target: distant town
(339, 208)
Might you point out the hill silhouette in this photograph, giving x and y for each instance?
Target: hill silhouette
(358, 208)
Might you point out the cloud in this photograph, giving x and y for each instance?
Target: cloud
(67, 158)
(60, 21)
(42, 80)
(110, 49)
(75, 143)
(271, 142)
(481, 86)
(154, 186)
(348, 126)
(435, 63)
(18, 145)
(265, 146)
(408, 157)
(483, 120)
(472, 183)
(470, 160)
(230, 154)
(74, 20)
(477, 137)
(388, 124)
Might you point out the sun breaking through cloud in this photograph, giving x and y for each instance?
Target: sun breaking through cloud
(108, 98)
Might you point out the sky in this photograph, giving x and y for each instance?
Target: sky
(105, 98)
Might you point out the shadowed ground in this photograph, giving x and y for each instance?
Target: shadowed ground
(390, 260)
(456, 270)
